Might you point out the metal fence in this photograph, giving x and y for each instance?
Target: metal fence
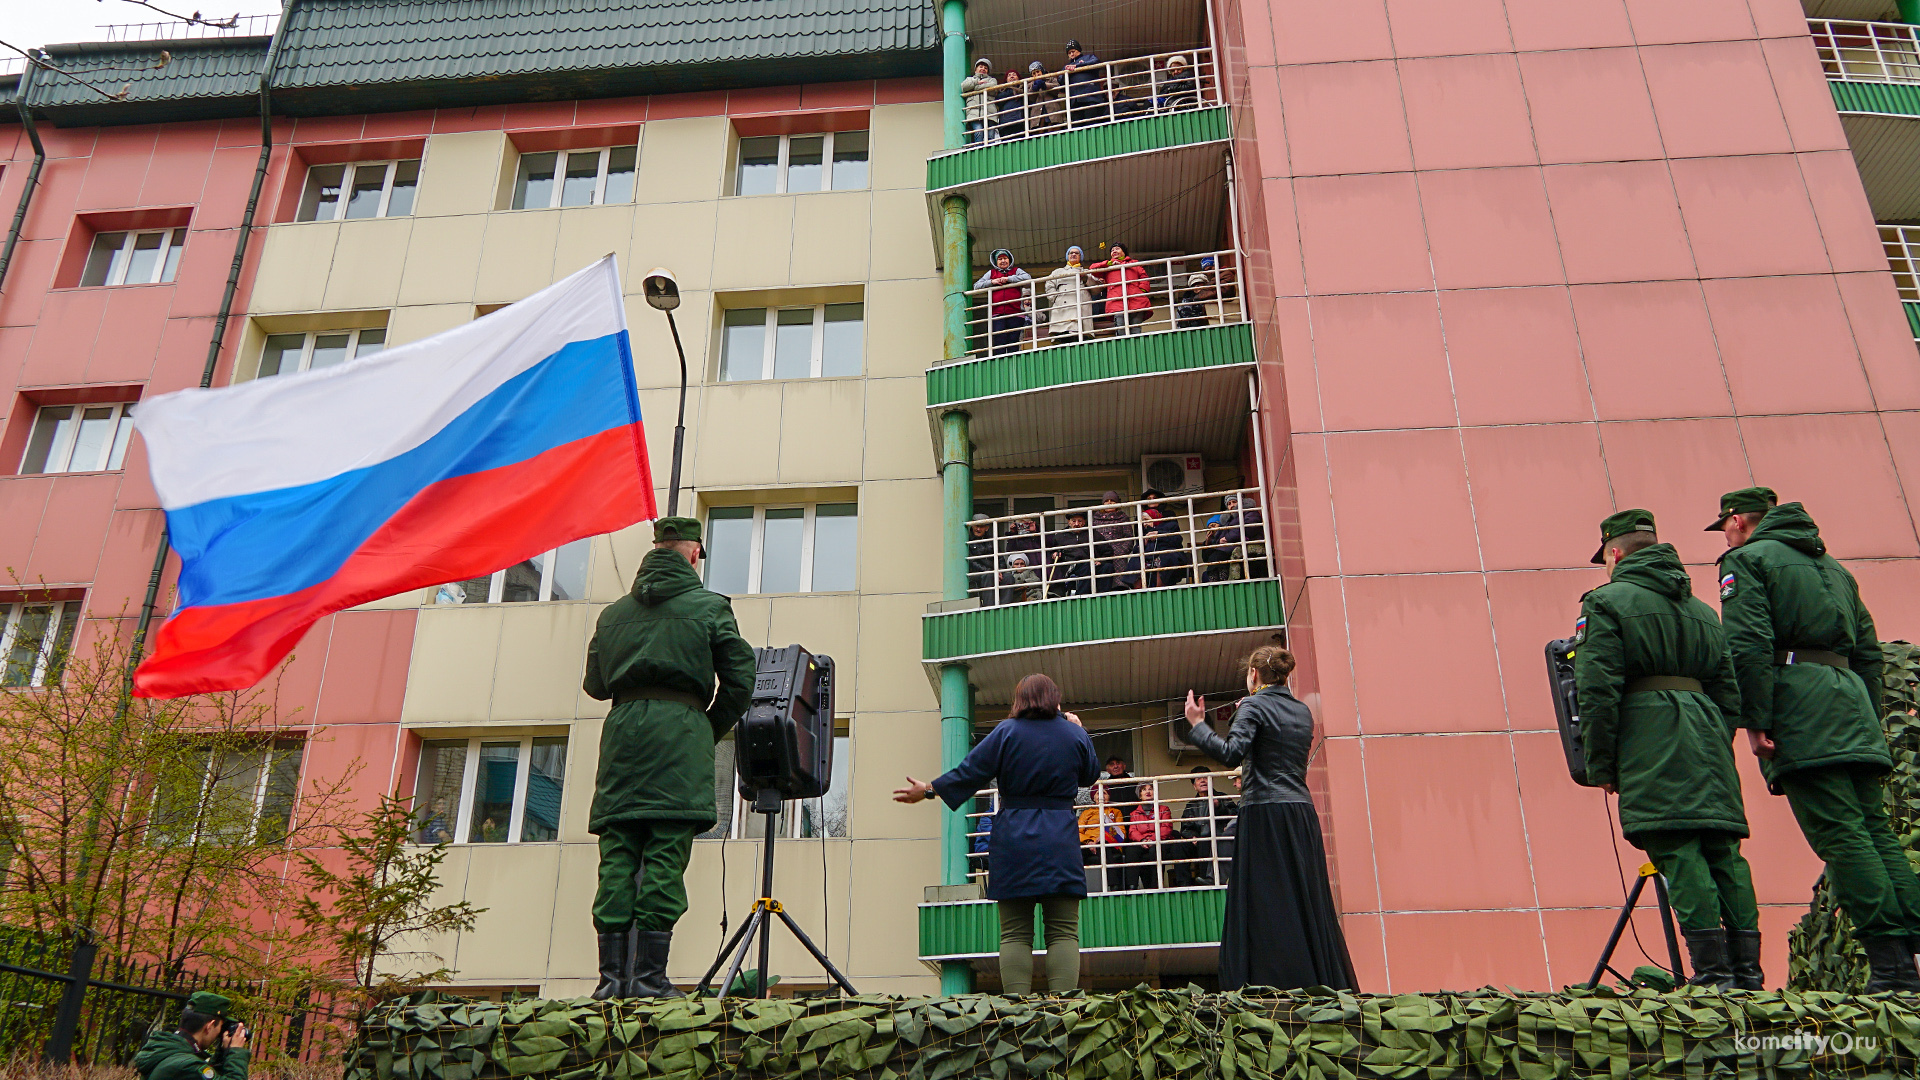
(1090, 95)
(177, 29)
(1158, 543)
(1139, 833)
(1106, 299)
(1866, 51)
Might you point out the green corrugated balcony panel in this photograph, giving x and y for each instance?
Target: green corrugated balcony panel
(1913, 317)
(1138, 922)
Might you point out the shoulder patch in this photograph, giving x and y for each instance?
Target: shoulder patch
(1726, 586)
(1579, 630)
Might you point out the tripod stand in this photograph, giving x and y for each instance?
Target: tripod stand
(1626, 913)
(766, 802)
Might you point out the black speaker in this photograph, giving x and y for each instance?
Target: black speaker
(1566, 709)
(785, 742)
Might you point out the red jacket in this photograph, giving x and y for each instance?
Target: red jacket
(1140, 824)
(1126, 287)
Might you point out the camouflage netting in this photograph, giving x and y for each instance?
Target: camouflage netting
(1151, 1035)
(1822, 954)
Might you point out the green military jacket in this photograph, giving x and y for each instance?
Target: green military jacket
(1781, 591)
(669, 633)
(169, 1055)
(1669, 752)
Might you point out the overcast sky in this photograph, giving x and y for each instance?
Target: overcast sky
(28, 23)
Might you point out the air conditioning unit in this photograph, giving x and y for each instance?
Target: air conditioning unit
(1219, 717)
(1173, 474)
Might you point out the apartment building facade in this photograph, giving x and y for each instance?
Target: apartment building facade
(1420, 290)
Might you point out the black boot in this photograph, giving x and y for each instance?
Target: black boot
(613, 966)
(1891, 964)
(1743, 955)
(1707, 950)
(648, 976)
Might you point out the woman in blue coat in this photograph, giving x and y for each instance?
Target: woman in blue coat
(1038, 758)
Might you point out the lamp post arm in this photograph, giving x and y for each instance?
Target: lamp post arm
(679, 424)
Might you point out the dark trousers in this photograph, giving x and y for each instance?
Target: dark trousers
(1007, 330)
(643, 867)
(1140, 870)
(1708, 879)
(1845, 822)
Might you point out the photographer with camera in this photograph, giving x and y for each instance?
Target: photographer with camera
(657, 653)
(205, 1045)
(1657, 699)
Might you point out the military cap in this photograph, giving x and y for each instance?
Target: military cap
(679, 528)
(1753, 500)
(208, 1003)
(1620, 524)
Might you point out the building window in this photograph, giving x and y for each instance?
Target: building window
(236, 795)
(78, 438)
(560, 574)
(791, 343)
(782, 549)
(777, 164)
(575, 178)
(489, 791)
(35, 639)
(286, 354)
(364, 189)
(134, 258)
(801, 819)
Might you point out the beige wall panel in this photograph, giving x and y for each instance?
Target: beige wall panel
(892, 875)
(826, 623)
(696, 937)
(576, 800)
(367, 263)
(610, 574)
(461, 173)
(450, 675)
(903, 242)
(294, 265)
(413, 323)
(821, 421)
(412, 598)
(798, 877)
(443, 258)
(900, 536)
(657, 409)
(733, 436)
(443, 949)
(515, 884)
(887, 747)
(655, 365)
(899, 444)
(755, 616)
(903, 328)
(543, 650)
(589, 233)
(678, 236)
(904, 136)
(682, 160)
(571, 951)
(516, 258)
(892, 680)
(830, 237)
(753, 242)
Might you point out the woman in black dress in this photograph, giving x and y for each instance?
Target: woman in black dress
(1281, 926)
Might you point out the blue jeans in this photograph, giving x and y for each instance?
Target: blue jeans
(974, 129)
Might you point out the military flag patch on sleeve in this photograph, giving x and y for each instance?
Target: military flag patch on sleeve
(1580, 630)
(1726, 586)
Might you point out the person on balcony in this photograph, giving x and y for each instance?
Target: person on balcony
(1007, 301)
(1149, 826)
(1045, 110)
(1021, 582)
(1221, 550)
(1281, 928)
(1036, 757)
(1010, 107)
(1177, 87)
(1086, 87)
(1202, 822)
(1115, 539)
(1023, 535)
(1190, 304)
(1102, 836)
(1129, 296)
(973, 90)
(1070, 557)
(980, 559)
(1167, 559)
(1070, 309)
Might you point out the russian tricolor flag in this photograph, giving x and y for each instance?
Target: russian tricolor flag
(294, 497)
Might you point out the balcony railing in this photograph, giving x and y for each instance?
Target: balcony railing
(1068, 307)
(1117, 547)
(1867, 51)
(240, 26)
(1139, 833)
(1903, 254)
(1088, 96)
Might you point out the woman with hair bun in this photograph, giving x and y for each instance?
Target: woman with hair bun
(1281, 927)
(1039, 757)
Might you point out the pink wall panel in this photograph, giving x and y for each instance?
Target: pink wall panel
(1514, 355)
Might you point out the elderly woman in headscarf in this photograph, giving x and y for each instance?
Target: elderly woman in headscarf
(1177, 87)
(1226, 530)
(1129, 295)
(1045, 109)
(1070, 310)
(973, 91)
(1007, 303)
(1010, 107)
(1020, 583)
(1115, 540)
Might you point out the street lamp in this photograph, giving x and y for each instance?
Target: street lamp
(663, 294)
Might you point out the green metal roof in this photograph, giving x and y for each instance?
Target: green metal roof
(202, 78)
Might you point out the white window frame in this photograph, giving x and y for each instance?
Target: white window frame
(497, 581)
(770, 340)
(790, 821)
(470, 776)
(826, 163)
(560, 175)
(756, 548)
(306, 349)
(114, 451)
(350, 170)
(10, 616)
(260, 785)
(118, 264)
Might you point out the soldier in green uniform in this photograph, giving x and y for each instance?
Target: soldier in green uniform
(1656, 690)
(657, 653)
(1808, 660)
(188, 1051)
